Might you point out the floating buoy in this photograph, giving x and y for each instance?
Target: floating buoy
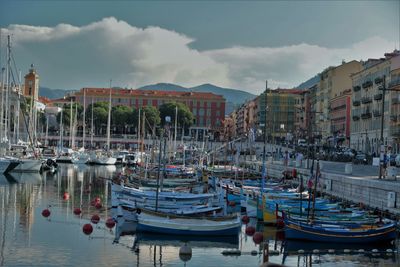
(231, 203)
(389, 250)
(234, 252)
(98, 206)
(250, 230)
(87, 229)
(254, 253)
(315, 251)
(110, 223)
(66, 196)
(331, 251)
(374, 250)
(346, 250)
(77, 211)
(185, 253)
(245, 219)
(361, 250)
(46, 213)
(95, 219)
(258, 237)
(300, 251)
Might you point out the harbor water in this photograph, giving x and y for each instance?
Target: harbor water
(27, 238)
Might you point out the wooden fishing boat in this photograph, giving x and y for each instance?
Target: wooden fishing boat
(334, 233)
(162, 223)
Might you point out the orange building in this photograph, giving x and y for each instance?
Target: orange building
(207, 108)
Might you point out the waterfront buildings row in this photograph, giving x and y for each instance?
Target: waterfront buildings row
(342, 107)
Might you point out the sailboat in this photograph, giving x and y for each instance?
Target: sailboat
(107, 158)
(80, 156)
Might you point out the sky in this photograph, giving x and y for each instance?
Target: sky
(234, 44)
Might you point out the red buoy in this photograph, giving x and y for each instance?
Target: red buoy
(87, 229)
(77, 211)
(110, 223)
(258, 237)
(46, 213)
(66, 196)
(95, 219)
(250, 230)
(98, 206)
(231, 203)
(245, 219)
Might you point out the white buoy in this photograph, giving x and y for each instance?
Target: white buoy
(374, 250)
(346, 250)
(361, 250)
(389, 251)
(331, 251)
(316, 251)
(185, 253)
(300, 251)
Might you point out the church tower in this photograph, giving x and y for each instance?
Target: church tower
(32, 84)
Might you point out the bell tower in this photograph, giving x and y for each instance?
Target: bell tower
(32, 84)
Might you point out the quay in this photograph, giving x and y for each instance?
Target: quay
(361, 186)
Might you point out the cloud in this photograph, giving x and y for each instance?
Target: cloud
(72, 57)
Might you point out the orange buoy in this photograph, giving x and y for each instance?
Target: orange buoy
(46, 213)
(77, 211)
(95, 219)
(258, 237)
(87, 229)
(110, 223)
(250, 230)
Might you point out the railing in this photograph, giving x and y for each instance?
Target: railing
(378, 96)
(366, 100)
(367, 84)
(366, 115)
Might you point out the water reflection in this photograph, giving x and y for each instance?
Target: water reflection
(27, 238)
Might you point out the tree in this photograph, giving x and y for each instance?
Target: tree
(120, 116)
(100, 115)
(152, 116)
(67, 113)
(185, 116)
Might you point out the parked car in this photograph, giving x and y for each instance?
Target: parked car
(360, 158)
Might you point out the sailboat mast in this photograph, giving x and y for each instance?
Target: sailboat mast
(6, 131)
(70, 123)
(176, 126)
(84, 118)
(109, 120)
(138, 130)
(3, 86)
(91, 127)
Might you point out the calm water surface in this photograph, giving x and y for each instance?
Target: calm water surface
(28, 239)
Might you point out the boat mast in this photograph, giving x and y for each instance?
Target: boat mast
(70, 122)
(91, 127)
(84, 119)
(109, 120)
(138, 132)
(176, 126)
(6, 128)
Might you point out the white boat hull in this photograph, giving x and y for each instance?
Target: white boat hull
(28, 165)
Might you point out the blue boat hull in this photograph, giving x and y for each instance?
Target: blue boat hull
(318, 234)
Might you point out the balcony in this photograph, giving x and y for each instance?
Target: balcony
(356, 88)
(367, 84)
(356, 103)
(378, 97)
(394, 82)
(393, 118)
(366, 100)
(356, 118)
(378, 80)
(366, 115)
(377, 113)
